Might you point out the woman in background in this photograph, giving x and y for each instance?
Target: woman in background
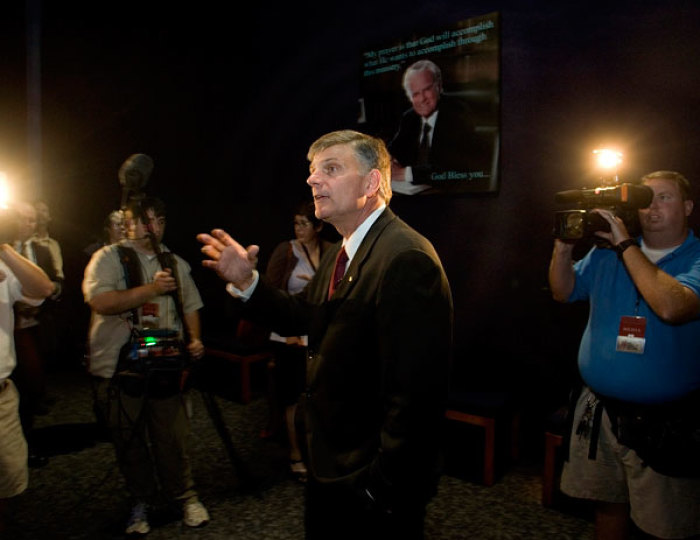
(292, 265)
(113, 231)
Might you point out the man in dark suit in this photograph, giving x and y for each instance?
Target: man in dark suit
(379, 346)
(436, 135)
(30, 374)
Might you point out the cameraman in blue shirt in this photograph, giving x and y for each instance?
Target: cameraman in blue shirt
(639, 359)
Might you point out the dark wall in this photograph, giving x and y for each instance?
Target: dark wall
(227, 106)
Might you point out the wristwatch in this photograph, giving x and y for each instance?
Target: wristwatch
(622, 246)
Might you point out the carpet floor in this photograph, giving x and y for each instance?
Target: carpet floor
(80, 493)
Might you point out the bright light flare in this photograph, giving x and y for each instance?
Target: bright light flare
(4, 190)
(607, 159)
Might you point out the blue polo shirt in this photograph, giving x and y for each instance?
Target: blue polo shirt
(669, 367)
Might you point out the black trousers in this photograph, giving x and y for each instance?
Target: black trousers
(29, 375)
(334, 511)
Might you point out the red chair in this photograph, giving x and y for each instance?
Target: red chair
(249, 346)
(553, 439)
(485, 410)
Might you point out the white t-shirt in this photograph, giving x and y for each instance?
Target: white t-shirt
(10, 292)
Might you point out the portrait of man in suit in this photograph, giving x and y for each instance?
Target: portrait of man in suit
(436, 138)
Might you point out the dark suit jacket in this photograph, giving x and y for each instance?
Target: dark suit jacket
(49, 322)
(46, 314)
(379, 351)
(454, 147)
(45, 261)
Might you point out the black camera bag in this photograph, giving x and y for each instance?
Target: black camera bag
(156, 376)
(665, 436)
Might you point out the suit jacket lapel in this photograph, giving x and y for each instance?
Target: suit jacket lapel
(355, 269)
(317, 293)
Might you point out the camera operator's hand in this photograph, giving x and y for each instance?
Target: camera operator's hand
(561, 270)
(618, 230)
(196, 349)
(164, 282)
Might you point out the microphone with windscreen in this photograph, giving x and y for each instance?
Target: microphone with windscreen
(134, 174)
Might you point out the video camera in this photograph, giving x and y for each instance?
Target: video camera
(623, 200)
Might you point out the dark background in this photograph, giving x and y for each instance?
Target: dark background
(227, 102)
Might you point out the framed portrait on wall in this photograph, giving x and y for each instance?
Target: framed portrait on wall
(434, 98)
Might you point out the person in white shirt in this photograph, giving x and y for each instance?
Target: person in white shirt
(20, 280)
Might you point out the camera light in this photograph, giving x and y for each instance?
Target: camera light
(4, 190)
(607, 159)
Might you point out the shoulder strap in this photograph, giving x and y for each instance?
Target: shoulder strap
(574, 394)
(132, 272)
(167, 260)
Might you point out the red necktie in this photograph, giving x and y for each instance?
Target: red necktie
(339, 271)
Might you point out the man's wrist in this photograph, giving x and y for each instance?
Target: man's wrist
(233, 290)
(622, 246)
(155, 290)
(247, 291)
(563, 249)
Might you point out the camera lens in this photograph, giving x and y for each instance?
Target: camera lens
(575, 224)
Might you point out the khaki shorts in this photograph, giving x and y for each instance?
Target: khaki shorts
(662, 506)
(14, 473)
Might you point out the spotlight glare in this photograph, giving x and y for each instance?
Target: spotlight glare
(4, 190)
(607, 159)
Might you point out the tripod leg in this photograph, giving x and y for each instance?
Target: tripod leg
(239, 465)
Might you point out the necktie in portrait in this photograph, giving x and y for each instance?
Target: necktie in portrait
(424, 147)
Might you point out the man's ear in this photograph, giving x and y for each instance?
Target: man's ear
(688, 207)
(373, 180)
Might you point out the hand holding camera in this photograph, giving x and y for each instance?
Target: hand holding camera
(618, 230)
(608, 214)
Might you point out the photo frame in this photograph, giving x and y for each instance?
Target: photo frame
(463, 143)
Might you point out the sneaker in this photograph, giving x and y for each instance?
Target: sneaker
(195, 515)
(138, 521)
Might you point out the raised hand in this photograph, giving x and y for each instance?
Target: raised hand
(229, 259)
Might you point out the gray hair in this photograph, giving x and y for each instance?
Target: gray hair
(370, 151)
(422, 65)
